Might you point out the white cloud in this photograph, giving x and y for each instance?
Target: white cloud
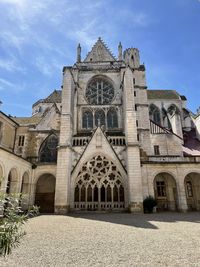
(15, 2)
(11, 65)
(47, 67)
(7, 85)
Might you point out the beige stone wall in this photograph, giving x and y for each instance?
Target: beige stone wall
(7, 135)
(169, 144)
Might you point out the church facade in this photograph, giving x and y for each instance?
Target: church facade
(103, 142)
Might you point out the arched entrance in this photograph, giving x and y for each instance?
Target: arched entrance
(192, 188)
(99, 186)
(165, 191)
(45, 193)
(12, 182)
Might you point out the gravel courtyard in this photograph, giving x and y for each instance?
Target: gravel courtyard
(120, 239)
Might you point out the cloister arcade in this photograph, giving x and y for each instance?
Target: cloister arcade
(99, 185)
(165, 191)
(192, 188)
(45, 193)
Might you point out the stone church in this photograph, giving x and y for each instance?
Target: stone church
(103, 142)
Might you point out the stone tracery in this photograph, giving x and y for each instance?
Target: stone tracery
(99, 185)
(99, 92)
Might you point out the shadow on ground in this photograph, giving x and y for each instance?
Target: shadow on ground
(140, 220)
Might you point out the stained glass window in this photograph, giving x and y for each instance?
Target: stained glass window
(112, 120)
(99, 117)
(99, 92)
(48, 150)
(154, 114)
(87, 119)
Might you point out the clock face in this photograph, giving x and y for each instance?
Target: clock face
(99, 92)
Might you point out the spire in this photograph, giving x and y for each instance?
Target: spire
(78, 53)
(120, 51)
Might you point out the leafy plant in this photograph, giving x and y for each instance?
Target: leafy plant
(148, 204)
(12, 219)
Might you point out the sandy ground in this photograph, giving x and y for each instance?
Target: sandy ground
(117, 239)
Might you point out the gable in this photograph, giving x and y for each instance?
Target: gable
(99, 52)
(49, 120)
(98, 145)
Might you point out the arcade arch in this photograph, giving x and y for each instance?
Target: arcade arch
(165, 190)
(192, 188)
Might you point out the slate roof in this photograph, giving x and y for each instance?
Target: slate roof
(27, 120)
(192, 144)
(54, 97)
(162, 94)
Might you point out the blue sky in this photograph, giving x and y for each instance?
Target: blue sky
(39, 37)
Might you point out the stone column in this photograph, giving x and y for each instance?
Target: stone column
(64, 163)
(182, 200)
(133, 153)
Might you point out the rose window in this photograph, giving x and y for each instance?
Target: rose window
(99, 92)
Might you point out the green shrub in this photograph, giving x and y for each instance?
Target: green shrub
(148, 204)
(11, 222)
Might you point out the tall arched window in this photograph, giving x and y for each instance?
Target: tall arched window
(154, 114)
(112, 119)
(48, 149)
(87, 119)
(99, 92)
(99, 117)
(173, 109)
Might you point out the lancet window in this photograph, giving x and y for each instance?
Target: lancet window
(48, 149)
(154, 114)
(87, 121)
(112, 119)
(100, 117)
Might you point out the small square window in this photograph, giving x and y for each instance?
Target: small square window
(156, 150)
(134, 93)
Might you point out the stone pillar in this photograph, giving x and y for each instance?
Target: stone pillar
(176, 124)
(64, 159)
(133, 154)
(182, 200)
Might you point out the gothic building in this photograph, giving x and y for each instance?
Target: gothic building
(103, 142)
